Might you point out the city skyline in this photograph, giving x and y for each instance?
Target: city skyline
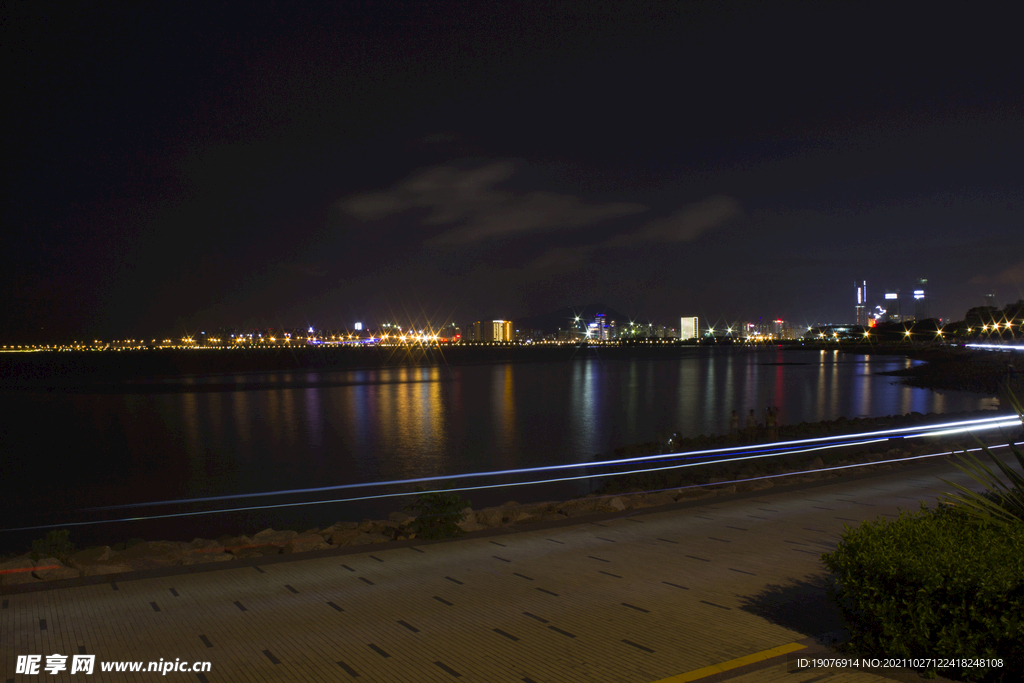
(317, 165)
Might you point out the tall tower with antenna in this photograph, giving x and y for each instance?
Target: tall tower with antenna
(861, 309)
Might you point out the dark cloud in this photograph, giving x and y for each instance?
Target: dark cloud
(684, 225)
(469, 200)
(1014, 275)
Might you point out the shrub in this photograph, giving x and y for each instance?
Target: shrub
(438, 514)
(937, 583)
(54, 544)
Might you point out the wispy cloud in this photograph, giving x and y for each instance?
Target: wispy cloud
(469, 200)
(686, 224)
(1014, 275)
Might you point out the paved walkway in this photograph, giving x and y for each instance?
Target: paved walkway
(643, 597)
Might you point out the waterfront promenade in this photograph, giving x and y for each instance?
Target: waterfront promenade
(711, 588)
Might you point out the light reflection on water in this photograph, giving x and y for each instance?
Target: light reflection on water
(397, 423)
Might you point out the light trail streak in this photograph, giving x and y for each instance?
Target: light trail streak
(249, 508)
(997, 347)
(840, 441)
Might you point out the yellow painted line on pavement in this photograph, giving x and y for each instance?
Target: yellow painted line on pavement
(697, 674)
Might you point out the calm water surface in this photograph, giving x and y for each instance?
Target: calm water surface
(64, 452)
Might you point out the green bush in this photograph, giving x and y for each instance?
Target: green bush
(437, 514)
(54, 544)
(936, 583)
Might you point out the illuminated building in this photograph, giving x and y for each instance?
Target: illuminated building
(920, 300)
(892, 307)
(688, 328)
(601, 328)
(492, 330)
(861, 309)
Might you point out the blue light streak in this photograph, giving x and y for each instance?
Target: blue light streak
(996, 347)
(490, 486)
(840, 441)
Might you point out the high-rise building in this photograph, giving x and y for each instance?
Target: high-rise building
(496, 330)
(990, 300)
(861, 309)
(492, 330)
(921, 300)
(688, 328)
(892, 306)
(601, 328)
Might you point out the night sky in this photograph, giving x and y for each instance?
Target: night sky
(173, 167)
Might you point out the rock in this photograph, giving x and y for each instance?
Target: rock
(491, 517)
(56, 574)
(369, 526)
(343, 536)
(554, 516)
(91, 556)
(522, 517)
(722, 490)
(271, 537)
(470, 524)
(49, 562)
(305, 543)
(615, 504)
(539, 509)
(22, 562)
(207, 545)
(401, 517)
(580, 506)
(18, 570)
(236, 544)
(153, 554)
(816, 464)
(314, 530)
(328, 532)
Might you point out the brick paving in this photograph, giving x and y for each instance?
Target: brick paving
(639, 597)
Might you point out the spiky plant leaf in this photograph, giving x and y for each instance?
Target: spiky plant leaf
(1001, 502)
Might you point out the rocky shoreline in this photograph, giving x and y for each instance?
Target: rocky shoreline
(139, 555)
(956, 369)
(144, 555)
